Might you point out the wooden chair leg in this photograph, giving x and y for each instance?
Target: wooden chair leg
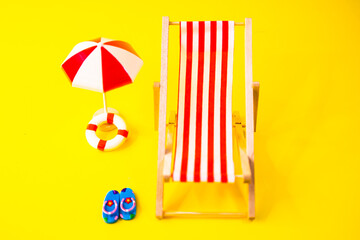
(249, 97)
(160, 196)
(162, 117)
(252, 193)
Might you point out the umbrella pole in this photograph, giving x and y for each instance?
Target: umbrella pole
(105, 107)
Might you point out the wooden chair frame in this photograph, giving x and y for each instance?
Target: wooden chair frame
(167, 130)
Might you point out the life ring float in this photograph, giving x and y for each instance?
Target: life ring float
(106, 145)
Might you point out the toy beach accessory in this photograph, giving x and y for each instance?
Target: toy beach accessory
(104, 145)
(127, 204)
(102, 65)
(110, 210)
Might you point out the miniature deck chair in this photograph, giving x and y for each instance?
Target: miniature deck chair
(204, 123)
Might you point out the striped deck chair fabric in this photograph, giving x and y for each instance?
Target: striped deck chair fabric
(204, 140)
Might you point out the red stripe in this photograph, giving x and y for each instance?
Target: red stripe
(199, 103)
(225, 44)
(101, 145)
(110, 118)
(73, 64)
(92, 127)
(211, 101)
(123, 133)
(114, 74)
(185, 153)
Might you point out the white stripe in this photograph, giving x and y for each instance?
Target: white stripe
(205, 107)
(80, 47)
(229, 133)
(89, 75)
(180, 124)
(217, 173)
(193, 101)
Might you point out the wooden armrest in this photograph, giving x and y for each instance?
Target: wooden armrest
(156, 104)
(256, 88)
(169, 146)
(240, 143)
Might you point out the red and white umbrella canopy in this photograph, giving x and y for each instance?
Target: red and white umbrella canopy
(102, 65)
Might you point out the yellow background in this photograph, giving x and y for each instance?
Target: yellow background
(52, 183)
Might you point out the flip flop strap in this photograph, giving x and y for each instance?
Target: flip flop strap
(113, 211)
(127, 210)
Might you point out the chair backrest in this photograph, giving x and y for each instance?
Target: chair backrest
(204, 140)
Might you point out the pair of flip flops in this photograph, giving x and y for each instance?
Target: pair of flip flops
(117, 205)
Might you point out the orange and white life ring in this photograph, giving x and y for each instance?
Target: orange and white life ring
(106, 145)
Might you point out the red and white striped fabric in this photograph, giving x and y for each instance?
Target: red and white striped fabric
(102, 64)
(204, 141)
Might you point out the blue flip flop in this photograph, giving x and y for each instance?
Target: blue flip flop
(110, 211)
(127, 204)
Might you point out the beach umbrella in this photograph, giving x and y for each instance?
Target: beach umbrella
(102, 65)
